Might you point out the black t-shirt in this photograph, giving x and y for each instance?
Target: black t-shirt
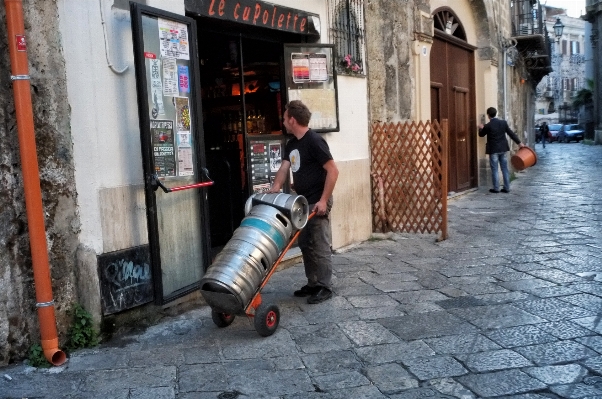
(307, 157)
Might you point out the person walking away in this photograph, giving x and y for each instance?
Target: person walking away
(315, 175)
(544, 130)
(497, 147)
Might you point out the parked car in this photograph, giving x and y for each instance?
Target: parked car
(537, 134)
(554, 129)
(571, 132)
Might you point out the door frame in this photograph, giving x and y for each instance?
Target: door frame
(472, 161)
(136, 13)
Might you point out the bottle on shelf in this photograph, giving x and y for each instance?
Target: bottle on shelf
(250, 129)
(260, 123)
(254, 121)
(239, 128)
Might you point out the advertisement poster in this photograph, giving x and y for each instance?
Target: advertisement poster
(307, 68)
(318, 68)
(182, 113)
(173, 38)
(185, 164)
(300, 64)
(162, 137)
(275, 157)
(170, 77)
(183, 79)
(156, 88)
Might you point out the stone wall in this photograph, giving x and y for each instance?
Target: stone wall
(389, 32)
(19, 326)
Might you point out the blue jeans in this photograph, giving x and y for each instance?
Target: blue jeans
(500, 158)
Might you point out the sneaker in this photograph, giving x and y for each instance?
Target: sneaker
(491, 190)
(306, 290)
(503, 190)
(320, 296)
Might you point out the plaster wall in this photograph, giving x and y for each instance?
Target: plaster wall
(105, 122)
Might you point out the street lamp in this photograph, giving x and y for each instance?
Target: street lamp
(558, 27)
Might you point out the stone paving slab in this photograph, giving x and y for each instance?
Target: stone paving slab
(508, 307)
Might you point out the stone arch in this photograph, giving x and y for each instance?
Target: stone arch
(487, 41)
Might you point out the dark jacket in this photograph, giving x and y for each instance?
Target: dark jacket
(496, 131)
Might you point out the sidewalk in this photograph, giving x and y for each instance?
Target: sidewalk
(508, 306)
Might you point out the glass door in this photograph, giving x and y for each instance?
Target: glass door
(167, 82)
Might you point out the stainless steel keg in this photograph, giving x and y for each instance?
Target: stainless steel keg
(295, 207)
(245, 260)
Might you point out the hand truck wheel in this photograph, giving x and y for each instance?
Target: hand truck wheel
(221, 319)
(266, 319)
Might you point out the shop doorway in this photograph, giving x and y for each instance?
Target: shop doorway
(453, 97)
(242, 108)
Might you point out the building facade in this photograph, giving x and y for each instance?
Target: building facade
(453, 60)
(114, 105)
(593, 15)
(556, 91)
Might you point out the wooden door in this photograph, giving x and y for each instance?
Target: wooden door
(452, 98)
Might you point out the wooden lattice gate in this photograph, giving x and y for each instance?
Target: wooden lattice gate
(409, 177)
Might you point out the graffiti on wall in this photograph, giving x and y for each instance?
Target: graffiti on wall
(125, 279)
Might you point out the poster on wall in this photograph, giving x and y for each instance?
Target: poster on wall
(185, 163)
(310, 77)
(156, 88)
(182, 114)
(173, 38)
(162, 138)
(309, 67)
(183, 79)
(275, 157)
(170, 77)
(300, 71)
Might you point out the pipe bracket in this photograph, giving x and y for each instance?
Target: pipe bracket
(19, 77)
(45, 304)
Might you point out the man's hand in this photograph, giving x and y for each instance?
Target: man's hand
(521, 145)
(481, 126)
(320, 208)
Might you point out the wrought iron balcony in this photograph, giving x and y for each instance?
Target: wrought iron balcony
(533, 43)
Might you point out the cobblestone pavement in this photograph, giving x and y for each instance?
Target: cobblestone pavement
(509, 306)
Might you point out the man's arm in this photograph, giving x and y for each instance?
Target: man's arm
(513, 136)
(280, 176)
(482, 130)
(332, 173)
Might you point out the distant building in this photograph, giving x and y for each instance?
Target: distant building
(556, 90)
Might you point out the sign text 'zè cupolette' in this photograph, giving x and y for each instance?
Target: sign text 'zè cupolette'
(259, 13)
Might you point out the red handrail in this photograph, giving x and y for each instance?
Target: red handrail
(155, 183)
(196, 185)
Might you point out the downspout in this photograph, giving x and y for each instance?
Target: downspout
(504, 81)
(31, 182)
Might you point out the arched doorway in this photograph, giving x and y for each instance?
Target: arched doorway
(453, 96)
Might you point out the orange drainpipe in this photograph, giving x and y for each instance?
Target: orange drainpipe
(31, 182)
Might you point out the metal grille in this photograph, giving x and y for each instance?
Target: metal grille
(527, 18)
(409, 172)
(347, 31)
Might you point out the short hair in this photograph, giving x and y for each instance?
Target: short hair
(299, 111)
(491, 112)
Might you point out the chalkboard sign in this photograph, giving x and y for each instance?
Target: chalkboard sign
(125, 279)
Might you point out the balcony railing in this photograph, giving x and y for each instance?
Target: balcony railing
(533, 43)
